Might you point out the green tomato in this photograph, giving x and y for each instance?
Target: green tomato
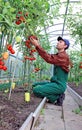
(12, 10)
(7, 4)
(18, 39)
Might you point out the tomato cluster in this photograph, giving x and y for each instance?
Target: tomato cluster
(9, 47)
(2, 65)
(36, 70)
(20, 17)
(28, 42)
(29, 46)
(29, 58)
(5, 56)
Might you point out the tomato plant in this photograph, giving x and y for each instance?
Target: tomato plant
(20, 20)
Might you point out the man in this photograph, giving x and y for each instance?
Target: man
(54, 90)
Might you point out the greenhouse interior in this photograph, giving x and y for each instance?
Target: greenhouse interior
(22, 64)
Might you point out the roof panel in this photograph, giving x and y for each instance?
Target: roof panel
(59, 27)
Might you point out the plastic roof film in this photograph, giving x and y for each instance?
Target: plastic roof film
(68, 8)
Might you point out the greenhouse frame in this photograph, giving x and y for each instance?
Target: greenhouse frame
(45, 21)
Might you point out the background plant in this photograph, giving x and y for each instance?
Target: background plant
(18, 20)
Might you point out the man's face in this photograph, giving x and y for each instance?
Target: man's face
(61, 45)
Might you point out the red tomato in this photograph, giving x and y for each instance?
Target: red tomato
(1, 67)
(29, 58)
(19, 12)
(12, 51)
(1, 59)
(36, 70)
(27, 43)
(1, 63)
(26, 14)
(4, 68)
(22, 19)
(32, 58)
(9, 47)
(80, 67)
(33, 50)
(18, 22)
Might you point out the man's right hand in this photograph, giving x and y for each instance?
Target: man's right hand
(34, 42)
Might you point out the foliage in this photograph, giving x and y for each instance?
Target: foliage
(76, 72)
(38, 14)
(74, 25)
(74, 22)
(34, 16)
(21, 18)
(78, 110)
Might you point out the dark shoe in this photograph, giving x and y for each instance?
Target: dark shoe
(60, 100)
(58, 104)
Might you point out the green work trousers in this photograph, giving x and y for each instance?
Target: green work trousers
(51, 90)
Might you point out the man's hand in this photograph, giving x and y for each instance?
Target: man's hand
(34, 42)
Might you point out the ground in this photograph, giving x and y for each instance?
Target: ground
(75, 87)
(13, 112)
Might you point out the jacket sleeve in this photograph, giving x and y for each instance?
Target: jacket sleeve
(60, 59)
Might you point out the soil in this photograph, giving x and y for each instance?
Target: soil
(14, 112)
(76, 88)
